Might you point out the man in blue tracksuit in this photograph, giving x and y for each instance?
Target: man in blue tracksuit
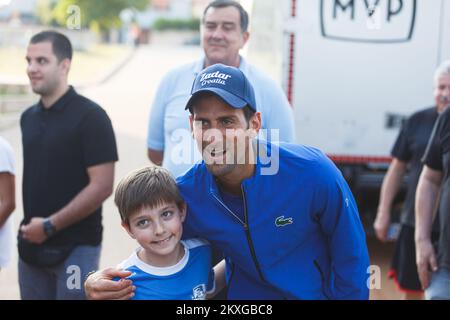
(282, 214)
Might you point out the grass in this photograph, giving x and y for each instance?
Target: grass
(86, 66)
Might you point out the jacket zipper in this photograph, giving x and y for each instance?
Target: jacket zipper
(249, 238)
(247, 231)
(228, 209)
(322, 279)
(231, 276)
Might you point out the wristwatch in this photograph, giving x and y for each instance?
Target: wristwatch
(49, 228)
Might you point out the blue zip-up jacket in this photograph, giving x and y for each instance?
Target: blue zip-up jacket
(302, 238)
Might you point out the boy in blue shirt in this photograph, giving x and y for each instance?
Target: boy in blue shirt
(164, 267)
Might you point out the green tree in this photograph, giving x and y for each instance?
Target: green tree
(176, 24)
(100, 15)
(44, 11)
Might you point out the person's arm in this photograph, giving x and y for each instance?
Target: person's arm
(155, 156)
(389, 189)
(338, 216)
(101, 286)
(7, 196)
(101, 179)
(427, 195)
(219, 279)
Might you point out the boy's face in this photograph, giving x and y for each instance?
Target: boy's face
(158, 231)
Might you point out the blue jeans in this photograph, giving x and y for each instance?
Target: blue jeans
(439, 288)
(61, 282)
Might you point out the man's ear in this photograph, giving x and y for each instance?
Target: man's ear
(126, 226)
(254, 124)
(245, 36)
(65, 64)
(191, 124)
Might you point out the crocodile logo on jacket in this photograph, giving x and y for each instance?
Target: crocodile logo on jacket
(281, 221)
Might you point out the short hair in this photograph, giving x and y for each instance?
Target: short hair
(443, 68)
(62, 48)
(229, 3)
(248, 113)
(148, 187)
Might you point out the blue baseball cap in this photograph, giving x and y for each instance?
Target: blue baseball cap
(229, 83)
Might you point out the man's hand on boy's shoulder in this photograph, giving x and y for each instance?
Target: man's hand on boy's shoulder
(101, 286)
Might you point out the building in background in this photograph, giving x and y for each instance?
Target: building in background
(18, 11)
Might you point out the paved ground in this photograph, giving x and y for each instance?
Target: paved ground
(127, 97)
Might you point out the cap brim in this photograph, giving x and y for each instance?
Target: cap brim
(231, 99)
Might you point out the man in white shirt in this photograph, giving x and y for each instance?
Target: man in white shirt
(224, 33)
(7, 201)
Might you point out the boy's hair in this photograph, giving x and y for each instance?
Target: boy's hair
(146, 188)
(62, 48)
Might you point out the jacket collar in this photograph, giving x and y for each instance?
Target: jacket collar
(61, 103)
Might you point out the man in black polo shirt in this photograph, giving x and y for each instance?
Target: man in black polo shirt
(69, 153)
(406, 158)
(434, 182)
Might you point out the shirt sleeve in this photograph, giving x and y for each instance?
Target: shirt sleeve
(438, 144)
(401, 149)
(280, 116)
(97, 139)
(155, 133)
(211, 286)
(339, 219)
(7, 163)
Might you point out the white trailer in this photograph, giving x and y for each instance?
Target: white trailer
(353, 70)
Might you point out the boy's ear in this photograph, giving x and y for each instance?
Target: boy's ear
(183, 209)
(126, 226)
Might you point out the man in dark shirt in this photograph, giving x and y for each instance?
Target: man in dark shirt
(69, 153)
(434, 182)
(407, 153)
